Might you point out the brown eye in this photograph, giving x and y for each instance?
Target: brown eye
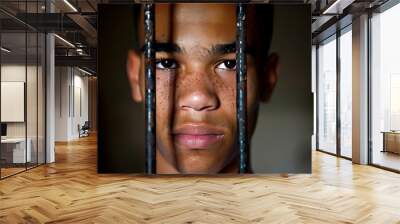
(227, 65)
(166, 64)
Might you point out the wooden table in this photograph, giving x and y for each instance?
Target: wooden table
(391, 141)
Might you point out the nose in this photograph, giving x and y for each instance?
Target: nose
(197, 94)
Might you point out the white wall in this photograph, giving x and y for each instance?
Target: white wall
(16, 73)
(62, 80)
(81, 103)
(71, 102)
(33, 127)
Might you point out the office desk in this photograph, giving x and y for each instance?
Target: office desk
(391, 141)
(13, 150)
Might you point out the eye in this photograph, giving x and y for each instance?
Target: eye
(166, 64)
(227, 65)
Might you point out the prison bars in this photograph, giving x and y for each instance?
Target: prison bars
(150, 83)
(241, 87)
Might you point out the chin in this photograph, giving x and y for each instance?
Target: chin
(196, 167)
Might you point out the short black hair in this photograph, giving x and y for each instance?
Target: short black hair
(263, 26)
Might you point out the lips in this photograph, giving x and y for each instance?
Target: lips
(197, 136)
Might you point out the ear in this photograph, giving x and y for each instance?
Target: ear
(269, 77)
(133, 70)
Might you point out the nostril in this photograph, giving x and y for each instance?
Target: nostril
(195, 108)
(199, 101)
(185, 108)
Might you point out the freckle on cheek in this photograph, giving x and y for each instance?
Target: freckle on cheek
(232, 92)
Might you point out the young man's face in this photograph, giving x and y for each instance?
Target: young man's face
(196, 86)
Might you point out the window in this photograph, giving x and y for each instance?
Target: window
(327, 96)
(385, 88)
(346, 93)
(330, 81)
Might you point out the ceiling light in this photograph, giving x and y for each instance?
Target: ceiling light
(5, 50)
(84, 71)
(65, 41)
(70, 5)
(337, 7)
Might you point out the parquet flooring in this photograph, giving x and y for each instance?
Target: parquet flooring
(70, 191)
(10, 171)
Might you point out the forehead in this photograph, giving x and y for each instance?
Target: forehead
(193, 23)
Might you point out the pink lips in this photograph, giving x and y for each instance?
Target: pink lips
(192, 136)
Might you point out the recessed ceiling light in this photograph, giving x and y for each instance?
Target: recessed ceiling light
(70, 5)
(65, 41)
(337, 7)
(84, 71)
(5, 49)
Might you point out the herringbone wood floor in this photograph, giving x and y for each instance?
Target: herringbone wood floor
(70, 191)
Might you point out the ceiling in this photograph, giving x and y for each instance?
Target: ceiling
(76, 22)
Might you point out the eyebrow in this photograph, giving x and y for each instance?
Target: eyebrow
(217, 49)
(223, 48)
(164, 47)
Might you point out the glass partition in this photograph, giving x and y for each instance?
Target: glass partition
(346, 93)
(385, 89)
(327, 96)
(22, 90)
(15, 152)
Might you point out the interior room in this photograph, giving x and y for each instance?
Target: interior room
(22, 104)
(53, 108)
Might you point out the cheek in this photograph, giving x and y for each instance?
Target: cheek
(225, 86)
(227, 90)
(164, 96)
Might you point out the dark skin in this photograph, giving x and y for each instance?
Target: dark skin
(196, 86)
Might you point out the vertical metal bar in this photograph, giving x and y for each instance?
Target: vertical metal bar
(37, 88)
(317, 95)
(241, 87)
(46, 36)
(338, 95)
(369, 83)
(26, 87)
(150, 83)
(1, 165)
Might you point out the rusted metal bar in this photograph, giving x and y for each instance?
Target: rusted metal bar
(241, 87)
(150, 83)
